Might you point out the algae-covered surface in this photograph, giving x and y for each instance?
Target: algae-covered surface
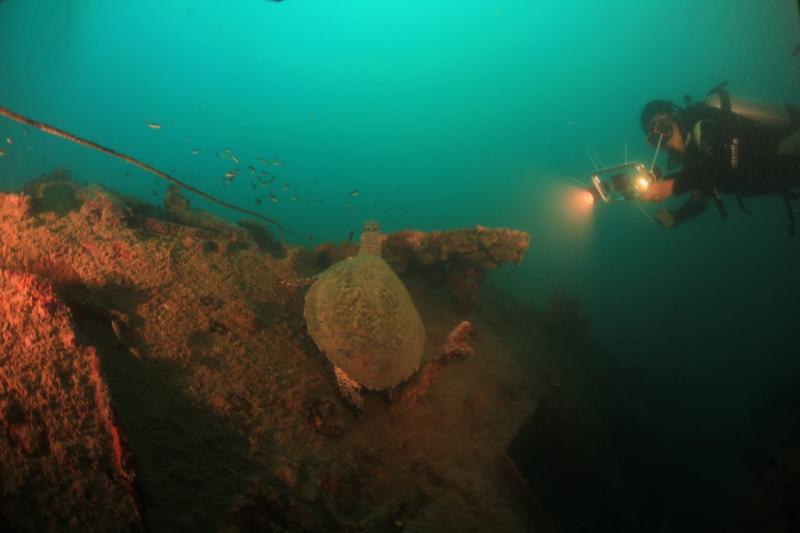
(217, 410)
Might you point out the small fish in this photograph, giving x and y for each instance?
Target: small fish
(117, 328)
(2, 153)
(294, 198)
(9, 140)
(354, 193)
(232, 173)
(263, 161)
(273, 198)
(285, 186)
(311, 237)
(154, 125)
(196, 151)
(252, 169)
(258, 201)
(350, 237)
(235, 159)
(277, 163)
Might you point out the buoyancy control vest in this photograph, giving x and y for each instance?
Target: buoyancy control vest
(774, 122)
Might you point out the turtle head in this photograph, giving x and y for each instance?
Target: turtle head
(370, 238)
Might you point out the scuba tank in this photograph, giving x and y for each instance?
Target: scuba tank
(781, 119)
(768, 114)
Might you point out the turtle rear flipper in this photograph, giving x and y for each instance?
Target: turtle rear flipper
(350, 390)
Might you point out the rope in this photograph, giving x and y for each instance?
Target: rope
(51, 130)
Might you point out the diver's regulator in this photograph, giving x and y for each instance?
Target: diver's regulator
(623, 182)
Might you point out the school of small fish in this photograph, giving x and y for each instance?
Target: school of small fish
(260, 178)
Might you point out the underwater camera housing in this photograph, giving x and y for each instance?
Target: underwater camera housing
(623, 182)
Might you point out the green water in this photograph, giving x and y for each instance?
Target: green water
(445, 114)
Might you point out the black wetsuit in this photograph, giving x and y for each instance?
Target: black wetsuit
(730, 154)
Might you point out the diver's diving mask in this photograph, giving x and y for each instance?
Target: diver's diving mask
(660, 132)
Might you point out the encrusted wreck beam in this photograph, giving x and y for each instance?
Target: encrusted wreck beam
(460, 258)
(63, 459)
(457, 258)
(480, 247)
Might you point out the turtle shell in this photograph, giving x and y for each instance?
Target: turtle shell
(361, 316)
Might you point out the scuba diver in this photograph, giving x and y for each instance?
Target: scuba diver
(797, 48)
(724, 145)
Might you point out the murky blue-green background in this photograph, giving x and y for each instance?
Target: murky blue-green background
(445, 114)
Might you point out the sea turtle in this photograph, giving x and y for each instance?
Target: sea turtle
(362, 318)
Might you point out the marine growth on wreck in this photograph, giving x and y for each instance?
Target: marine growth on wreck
(161, 370)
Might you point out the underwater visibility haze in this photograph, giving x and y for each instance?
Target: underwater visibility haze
(433, 117)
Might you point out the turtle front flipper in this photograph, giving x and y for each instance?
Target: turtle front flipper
(350, 390)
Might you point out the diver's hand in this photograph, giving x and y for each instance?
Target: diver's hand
(664, 218)
(658, 191)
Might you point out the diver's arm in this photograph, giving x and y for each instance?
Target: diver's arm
(685, 180)
(694, 207)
